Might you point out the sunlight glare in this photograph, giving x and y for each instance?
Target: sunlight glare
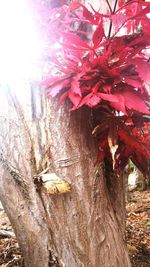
(20, 47)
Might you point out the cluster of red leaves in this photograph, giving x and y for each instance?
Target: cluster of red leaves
(106, 68)
(121, 138)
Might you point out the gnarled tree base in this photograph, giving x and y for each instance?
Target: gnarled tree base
(81, 228)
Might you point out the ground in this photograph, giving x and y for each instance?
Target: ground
(10, 254)
(137, 234)
(138, 228)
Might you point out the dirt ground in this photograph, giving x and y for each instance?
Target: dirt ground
(137, 234)
(138, 228)
(10, 254)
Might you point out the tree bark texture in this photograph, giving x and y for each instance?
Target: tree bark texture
(84, 227)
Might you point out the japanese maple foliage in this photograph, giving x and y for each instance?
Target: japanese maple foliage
(101, 60)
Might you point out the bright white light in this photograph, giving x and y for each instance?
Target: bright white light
(20, 47)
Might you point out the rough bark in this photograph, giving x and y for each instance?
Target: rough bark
(81, 228)
(91, 208)
(27, 221)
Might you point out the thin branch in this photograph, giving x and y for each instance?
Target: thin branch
(115, 5)
(8, 234)
(111, 11)
(110, 26)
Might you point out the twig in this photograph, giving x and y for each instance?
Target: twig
(13, 261)
(142, 209)
(132, 213)
(115, 5)
(109, 6)
(110, 26)
(17, 177)
(8, 234)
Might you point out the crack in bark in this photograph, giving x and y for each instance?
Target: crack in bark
(17, 177)
(69, 161)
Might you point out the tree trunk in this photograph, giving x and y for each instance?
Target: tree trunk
(84, 227)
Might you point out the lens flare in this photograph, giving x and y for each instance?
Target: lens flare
(20, 45)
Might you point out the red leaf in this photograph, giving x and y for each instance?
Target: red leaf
(56, 88)
(75, 85)
(118, 20)
(145, 25)
(109, 97)
(132, 100)
(87, 14)
(135, 82)
(107, 76)
(52, 80)
(107, 88)
(90, 100)
(121, 3)
(141, 163)
(143, 68)
(135, 101)
(75, 98)
(75, 91)
(62, 98)
(142, 12)
(94, 17)
(98, 35)
(93, 100)
(120, 105)
(74, 41)
(85, 100)
(132, 141)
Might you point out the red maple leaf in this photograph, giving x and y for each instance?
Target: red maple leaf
(108, 72)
